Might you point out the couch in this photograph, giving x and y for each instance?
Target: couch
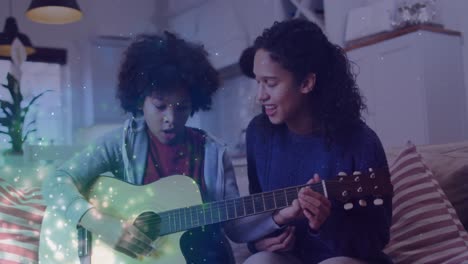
(429, 222)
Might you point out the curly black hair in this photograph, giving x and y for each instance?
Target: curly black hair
(161, 63)
(301, 47)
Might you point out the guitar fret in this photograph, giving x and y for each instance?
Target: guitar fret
(218, 207)
(219, 211)
(170, 222)
(214, 213)
(258, 205)
(187, 224)
(234, 203)
(180, 219)
(281, 195)
(240, 208)
(193, 214)
(269, 202)
(222, 209)
(274, 200)
(289, 199)
(191, 218)
(174, 217)
(200, 212)
(248, 205)
(211, 213)
(196, 210)
(185, 218)
(232, 209)
(227, 213)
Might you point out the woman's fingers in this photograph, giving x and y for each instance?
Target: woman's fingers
(278, 243)
(315, 207)
(288, 242)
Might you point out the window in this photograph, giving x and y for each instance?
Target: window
(47, 110)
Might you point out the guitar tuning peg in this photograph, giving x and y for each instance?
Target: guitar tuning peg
(342, 173)
(371, 170)
(357, 173)
(348, 206)
(378, 201)
(362, 203)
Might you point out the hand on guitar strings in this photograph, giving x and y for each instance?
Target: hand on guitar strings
(121, 235)
(309, 204)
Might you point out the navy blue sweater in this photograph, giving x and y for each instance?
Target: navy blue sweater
(277, 158)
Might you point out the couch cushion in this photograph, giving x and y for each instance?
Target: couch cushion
(425, 227)
(449, 165)
(21, 212)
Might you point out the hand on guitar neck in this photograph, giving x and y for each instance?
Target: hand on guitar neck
(120, 234)
(312, 205)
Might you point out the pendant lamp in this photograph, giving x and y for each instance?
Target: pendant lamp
(9, 34)
(54, 11)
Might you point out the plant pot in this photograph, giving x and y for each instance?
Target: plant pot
(12, 160)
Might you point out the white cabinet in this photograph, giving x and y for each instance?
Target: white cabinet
(413, 82)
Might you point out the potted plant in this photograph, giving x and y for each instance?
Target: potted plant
(13, 115)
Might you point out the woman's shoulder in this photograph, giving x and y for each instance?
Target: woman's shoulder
(360, 136)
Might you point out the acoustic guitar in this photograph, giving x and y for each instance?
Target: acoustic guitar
(171, 205)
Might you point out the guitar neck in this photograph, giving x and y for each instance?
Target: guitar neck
(182, 219)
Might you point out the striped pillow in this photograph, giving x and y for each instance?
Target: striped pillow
(21, 214)
(425, 226)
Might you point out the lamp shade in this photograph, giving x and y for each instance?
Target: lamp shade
(54, 11)
(10, 32)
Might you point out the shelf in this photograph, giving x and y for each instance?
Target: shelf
(379, 37)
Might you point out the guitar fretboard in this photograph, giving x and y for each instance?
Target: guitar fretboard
(215, 212)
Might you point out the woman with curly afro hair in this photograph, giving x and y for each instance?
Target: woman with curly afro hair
(311, 128)
(163, 80)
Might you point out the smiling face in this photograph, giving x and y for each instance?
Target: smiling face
(284, 100)
(167, 114)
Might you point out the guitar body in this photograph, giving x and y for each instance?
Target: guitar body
(59, 241)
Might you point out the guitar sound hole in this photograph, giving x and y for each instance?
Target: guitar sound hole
(149, 223)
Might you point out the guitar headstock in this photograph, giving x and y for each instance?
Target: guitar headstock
(360, 186)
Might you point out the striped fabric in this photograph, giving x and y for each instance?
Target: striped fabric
(425, 226)
(21, 214)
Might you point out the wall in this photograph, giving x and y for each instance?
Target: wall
(226, 28)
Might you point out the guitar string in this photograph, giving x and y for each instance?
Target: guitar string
(217, 205)
(183, 213)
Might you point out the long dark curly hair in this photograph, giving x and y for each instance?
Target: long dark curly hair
(302, 48)
(161, 63)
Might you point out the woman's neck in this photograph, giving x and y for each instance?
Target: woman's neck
(304, 124)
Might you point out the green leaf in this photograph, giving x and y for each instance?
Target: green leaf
(5, 121)
(30, 123)
(26, 109)
(27, 134)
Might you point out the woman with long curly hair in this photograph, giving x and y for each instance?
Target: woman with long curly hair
(163, 80)
(311, 128)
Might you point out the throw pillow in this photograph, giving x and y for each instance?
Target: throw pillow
(21, 212)
(425, 227)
